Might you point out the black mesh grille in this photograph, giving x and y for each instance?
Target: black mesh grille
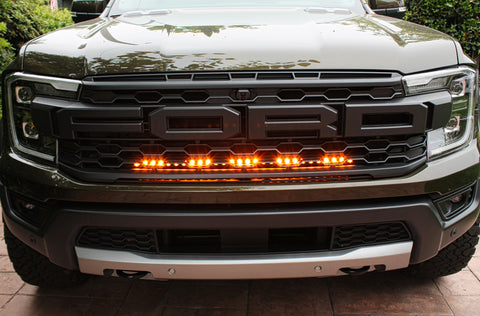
(351, 236)
(137, 240)
(217, 241)
(123, 97)
(309, 86)
(120, 154)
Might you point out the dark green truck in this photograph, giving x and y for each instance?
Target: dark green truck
(239, 139)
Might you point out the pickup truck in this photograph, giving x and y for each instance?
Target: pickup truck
(238, 140)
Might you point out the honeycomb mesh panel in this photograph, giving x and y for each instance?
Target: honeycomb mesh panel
(210, 241)
(351, 236)
(118, 154)
(118, 239)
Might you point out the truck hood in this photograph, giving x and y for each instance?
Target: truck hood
(239, 39)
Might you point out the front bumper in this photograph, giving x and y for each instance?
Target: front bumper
(298, 265)
(75, 206)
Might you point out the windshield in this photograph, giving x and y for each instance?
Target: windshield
(122, 6)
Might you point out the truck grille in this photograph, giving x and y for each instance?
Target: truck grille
(370, 156)
(123, 124)
(218, 241)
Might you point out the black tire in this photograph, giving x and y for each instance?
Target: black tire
(450, 259)
(36, 269)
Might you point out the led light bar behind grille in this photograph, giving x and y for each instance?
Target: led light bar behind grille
(162, 164)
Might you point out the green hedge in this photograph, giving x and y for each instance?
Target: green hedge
(458, 18)
(6, 48)
(23, 20)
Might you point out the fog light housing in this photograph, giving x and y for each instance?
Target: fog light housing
(32, 212)
(455, 203)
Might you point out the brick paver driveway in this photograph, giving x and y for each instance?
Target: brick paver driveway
(392, 293)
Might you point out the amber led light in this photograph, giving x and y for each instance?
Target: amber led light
(336, 160)
(150, 163)
(244, 162)
(199, 162)
(288, 161)
(240, 162)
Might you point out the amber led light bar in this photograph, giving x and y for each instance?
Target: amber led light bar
(336, 160)
(288, 161)
(199, 163)
(244, 162)
(149, 164)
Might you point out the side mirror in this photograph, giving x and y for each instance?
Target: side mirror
(83, 10)
(394, 8)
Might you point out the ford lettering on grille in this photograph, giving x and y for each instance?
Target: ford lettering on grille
(217, 122)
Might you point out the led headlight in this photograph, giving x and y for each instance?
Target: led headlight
(461, 82)
(22, 93)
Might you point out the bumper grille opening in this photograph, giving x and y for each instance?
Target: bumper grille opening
(300, 239)
(189, 241)
(116, 239)
(243, 240)
(351, 236)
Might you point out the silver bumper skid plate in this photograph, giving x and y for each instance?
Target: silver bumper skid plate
(251, 266)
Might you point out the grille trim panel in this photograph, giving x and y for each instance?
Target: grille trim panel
(324, 76)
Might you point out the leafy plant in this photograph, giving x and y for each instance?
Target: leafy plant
(27, 19)
(458, 18)
(6, 49)
(23, 20)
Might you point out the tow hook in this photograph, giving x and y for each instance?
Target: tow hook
(131, 274)
(362, 270)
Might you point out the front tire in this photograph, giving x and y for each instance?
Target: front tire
(450, 259)
(36, 269)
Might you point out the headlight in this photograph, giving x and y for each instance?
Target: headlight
(461, 82)
(22, 93)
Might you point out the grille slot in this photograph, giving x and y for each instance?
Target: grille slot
(274, 240)
(229, 76)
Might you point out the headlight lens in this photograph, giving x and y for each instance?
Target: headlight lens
(23, 91)
(461, 82)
